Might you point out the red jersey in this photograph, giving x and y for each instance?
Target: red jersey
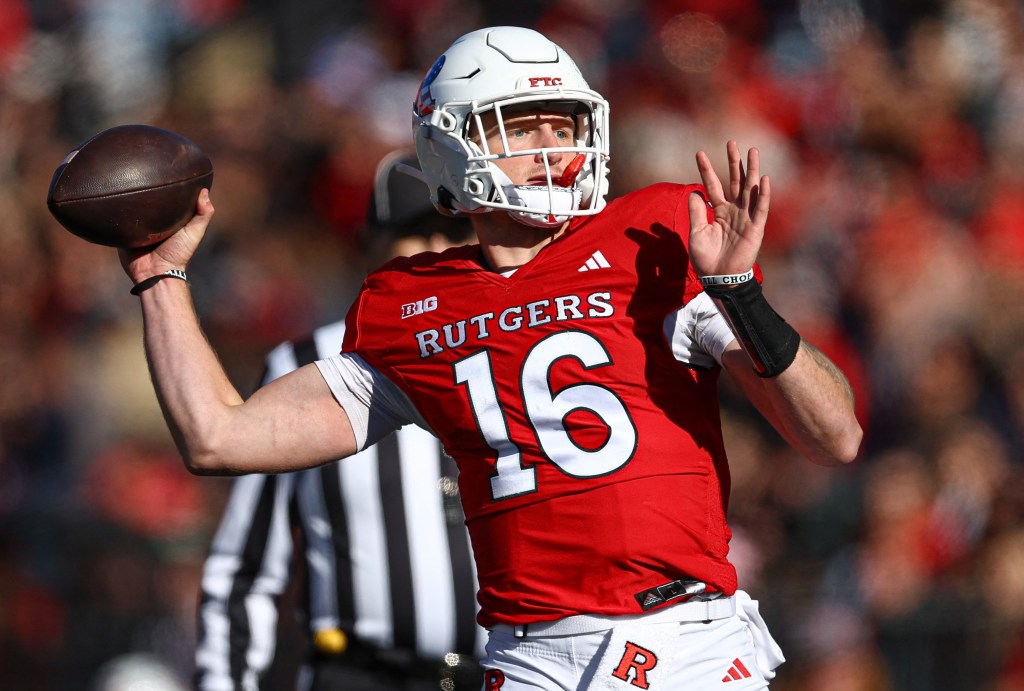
(591, 461)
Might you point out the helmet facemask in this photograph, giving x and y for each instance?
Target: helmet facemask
(560, 196)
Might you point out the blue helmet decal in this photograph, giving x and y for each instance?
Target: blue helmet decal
(424, 100)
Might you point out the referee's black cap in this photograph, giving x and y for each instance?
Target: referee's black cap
(401, 206)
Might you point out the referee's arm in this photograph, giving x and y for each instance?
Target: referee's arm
(246, 572)
(244, 576)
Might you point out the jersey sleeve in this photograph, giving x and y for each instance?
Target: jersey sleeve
(375, 406)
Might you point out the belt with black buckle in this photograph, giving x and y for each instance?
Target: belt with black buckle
(660, 594)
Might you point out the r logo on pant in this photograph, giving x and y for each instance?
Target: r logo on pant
(635, 662)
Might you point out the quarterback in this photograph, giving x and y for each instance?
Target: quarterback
(569, 362)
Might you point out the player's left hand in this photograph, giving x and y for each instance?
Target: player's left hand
(729, 244)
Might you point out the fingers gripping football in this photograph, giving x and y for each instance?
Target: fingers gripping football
(173, 253)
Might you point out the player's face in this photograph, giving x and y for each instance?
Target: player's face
(531, 130)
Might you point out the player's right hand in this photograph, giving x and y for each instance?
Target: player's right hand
(174, 252)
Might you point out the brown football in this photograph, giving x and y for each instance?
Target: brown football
(129, 186)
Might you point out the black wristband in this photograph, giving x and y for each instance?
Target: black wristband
(153, 280)
(768, 340)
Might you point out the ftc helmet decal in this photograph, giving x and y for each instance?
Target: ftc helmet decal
(545, 81)
(424, 100)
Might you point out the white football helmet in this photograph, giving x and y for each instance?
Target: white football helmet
(494, 70)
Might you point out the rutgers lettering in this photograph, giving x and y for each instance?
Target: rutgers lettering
(545, 81)
(636, 662)
(528, 316)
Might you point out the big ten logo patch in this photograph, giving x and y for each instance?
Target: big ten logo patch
(494, 679)
(636, 662)
(411, 309)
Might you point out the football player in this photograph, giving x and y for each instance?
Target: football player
(569, 362)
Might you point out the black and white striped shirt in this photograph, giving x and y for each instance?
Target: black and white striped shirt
(387, 555)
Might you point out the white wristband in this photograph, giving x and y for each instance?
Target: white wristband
(727, 279)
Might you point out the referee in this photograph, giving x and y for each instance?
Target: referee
(389, 591)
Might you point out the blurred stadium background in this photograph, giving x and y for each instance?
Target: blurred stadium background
(894, 134)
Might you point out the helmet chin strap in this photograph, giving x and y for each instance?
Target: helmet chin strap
(559, 200)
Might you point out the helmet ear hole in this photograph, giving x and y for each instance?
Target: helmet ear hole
(475, 187)
(445, 198)
(445, 120)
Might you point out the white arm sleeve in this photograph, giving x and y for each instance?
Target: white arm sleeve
(374, 405)
(698, 333)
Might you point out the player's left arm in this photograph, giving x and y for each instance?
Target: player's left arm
(810, 403)
(799, 390)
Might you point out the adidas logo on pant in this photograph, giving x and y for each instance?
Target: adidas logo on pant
(736, 672)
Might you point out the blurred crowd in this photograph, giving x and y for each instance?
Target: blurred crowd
(894, 134)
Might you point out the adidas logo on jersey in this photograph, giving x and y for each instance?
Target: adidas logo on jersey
(596, 261)
(736, 672)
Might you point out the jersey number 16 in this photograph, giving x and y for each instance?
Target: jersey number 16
(547, 411)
